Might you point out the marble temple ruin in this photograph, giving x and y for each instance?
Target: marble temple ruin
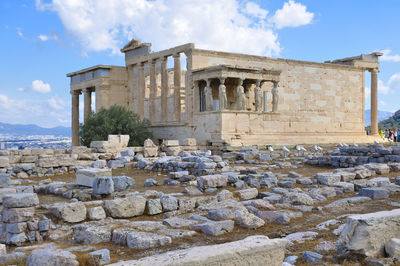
(223, 98)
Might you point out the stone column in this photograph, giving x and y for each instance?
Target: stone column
(164, 90)
(141, 90)
(134, 85)
(177, 86)
(189, 89)
(223, 101)
(275, 97)
(87, 107)
(240, 96)
(374, 101)
(153, 91)
(209, 106)
(75, 118)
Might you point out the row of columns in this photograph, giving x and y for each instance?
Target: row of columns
(141, 88)
(240, 95)
(87, 109)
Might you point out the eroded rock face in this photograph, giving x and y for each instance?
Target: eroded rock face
(51, 257)
(367, 234)
(125, 207)
(210, 181)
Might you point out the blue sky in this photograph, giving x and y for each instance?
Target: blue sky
(41, 41)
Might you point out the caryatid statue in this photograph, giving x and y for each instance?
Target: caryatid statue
(241, 97)
(223, 101)
(275, 97)
(208, 96)
(257, 96)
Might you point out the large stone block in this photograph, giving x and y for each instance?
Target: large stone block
(5, 180)
(103, 185)
(328, 178)
(189, 142)
(52, 256)
(367, 234)
(171, 143)
(74, 212)
(17, 215)
(125, 207)
(91, 234)
(247, 194)
(253, 250)
(4, 162)
(20, 200)
(85, 177)
(210, 181)
(142, 240)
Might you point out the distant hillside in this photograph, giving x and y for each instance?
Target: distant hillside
(382, 115)
(33, 130)
(392, 122)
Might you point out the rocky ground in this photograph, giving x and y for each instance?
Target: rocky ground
(103, 213)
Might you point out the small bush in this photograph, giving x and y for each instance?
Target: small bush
(116, 120)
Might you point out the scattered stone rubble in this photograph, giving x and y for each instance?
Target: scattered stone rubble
(240, 191)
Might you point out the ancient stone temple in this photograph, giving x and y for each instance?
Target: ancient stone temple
(236, 99)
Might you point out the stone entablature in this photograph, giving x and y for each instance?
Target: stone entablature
(268, 100)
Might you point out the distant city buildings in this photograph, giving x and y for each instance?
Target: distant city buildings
(20, 142)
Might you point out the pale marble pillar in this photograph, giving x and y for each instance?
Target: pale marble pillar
(177, 86)
(141, 90)
(87, 107)
(240, 96)
(153, 91)
(164, 90)
(189, 89)
(75, 118)
(257, 96)
(374, 102)
(223, 101)
(275, 97)
(208, 96)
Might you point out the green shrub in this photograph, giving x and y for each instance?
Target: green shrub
(116, 120)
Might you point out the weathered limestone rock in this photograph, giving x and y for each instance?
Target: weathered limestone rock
(96, 213)
(169, 203)
(214, 228)
(374, 193)
(13, 258)
(91, 234)
(4, 162)
(85, 177)
(312, 257)
(16, 228)
(392, 247)
(113, 164)
(51, 257)
(367, 234)
(210, 181)
(177, 233)
(247, 194)
(153, 206)
(327, 178)
(171, 143)
(142, 240)
(17, 215)
(4, 191)
(99, 164)
(253, 250)
(125, 207)
(5, 180)
(379, 168)
(74, 212)
(20, 200)
(189, 142)
(99, 257)
(248, 220)
(3, 249)
(122, 183)
(16, 239)
(103, 185)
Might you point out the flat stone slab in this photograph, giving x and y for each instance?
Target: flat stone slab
(20, 200)
(367, 234)
(85, 177)
(142, 240)
(214, 228)
(253, 250)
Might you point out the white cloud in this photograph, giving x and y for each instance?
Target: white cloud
(382, 103)
(225, 25)
(255, 10)
(4, 100)
(45, 38)
(394, 82)
(388, 56)
(56, 103)
(292, 14)
(382, 87)
(40, 87)
(20, 89)
(19, 32)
